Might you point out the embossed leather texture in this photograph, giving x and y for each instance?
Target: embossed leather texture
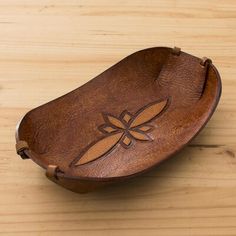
(123, 122)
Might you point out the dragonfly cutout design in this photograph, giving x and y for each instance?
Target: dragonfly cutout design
(123, 130)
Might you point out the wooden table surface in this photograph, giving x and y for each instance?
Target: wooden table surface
(50, 47)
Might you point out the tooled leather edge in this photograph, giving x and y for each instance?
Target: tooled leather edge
(205, 62)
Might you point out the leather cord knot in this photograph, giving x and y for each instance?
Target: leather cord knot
(176, 51)
(205, 61)
(52, 171)
(21, 146)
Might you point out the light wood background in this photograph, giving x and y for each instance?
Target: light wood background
(49, 47)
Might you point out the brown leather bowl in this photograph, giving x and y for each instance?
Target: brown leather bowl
(123, 122)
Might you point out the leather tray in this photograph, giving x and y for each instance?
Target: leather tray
(123, 122)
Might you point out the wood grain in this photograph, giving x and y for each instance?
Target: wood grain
(50, 47)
